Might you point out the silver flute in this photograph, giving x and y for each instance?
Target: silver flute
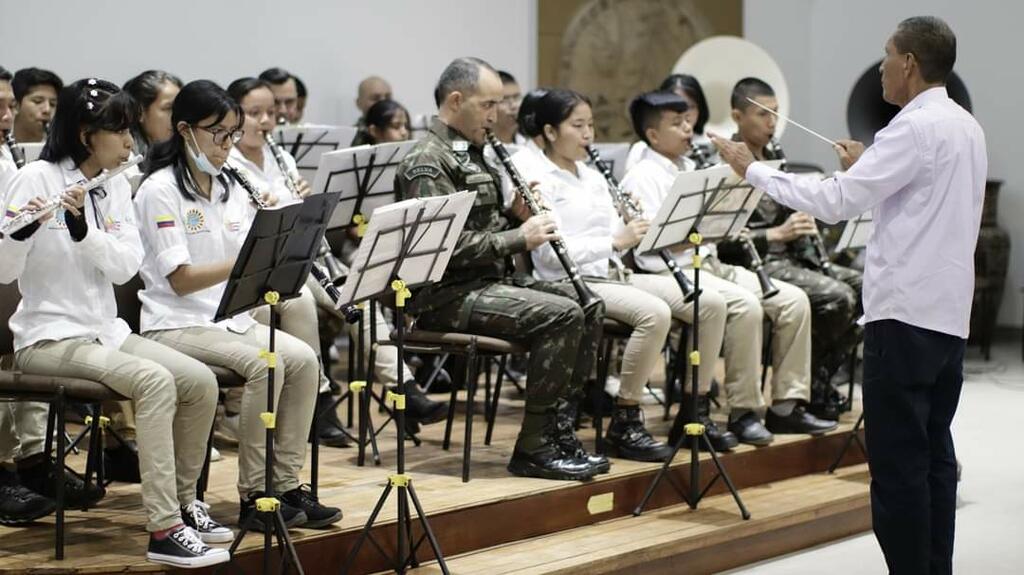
(28, 217)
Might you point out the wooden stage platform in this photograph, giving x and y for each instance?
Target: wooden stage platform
(498, 523)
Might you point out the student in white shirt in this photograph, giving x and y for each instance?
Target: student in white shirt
(578, 198)
(507, 126)
(924, 180)
(689, 89)
(193, 220)
(154, 92)
(35, 94)
(651, 179)
(67, 324)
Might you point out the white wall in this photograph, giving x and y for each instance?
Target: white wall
(331, 45)
(824, 46)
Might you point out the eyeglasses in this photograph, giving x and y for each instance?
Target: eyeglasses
(221, 135)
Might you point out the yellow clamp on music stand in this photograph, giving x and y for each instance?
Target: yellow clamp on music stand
(400, 480)
(696, 239)
(104, 421)
(402, 293)
(269, 419)
(269, 357)
(398, 399)
(694, 429)
(695, 357)
(357, 386)
(272, 297)
(267, 504)
(360, 221)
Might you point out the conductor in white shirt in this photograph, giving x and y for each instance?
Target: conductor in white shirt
(923, 179)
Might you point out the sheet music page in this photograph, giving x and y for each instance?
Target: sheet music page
(436, 236)
(856, 233)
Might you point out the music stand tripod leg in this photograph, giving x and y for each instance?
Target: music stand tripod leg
(853, 436)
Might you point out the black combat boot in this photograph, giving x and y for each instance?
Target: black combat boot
(629, 439)
(571, 444)
(421, 409)
(538, 453)
(721, 439)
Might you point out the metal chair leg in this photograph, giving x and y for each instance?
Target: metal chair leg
(472, 372)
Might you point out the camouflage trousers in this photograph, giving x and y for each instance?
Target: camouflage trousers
(835, 308)
(561, 336)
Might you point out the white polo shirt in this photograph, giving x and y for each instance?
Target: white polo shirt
(177, 231)
(67, 286)
(269, 176)
(584, 215)
(7, 169)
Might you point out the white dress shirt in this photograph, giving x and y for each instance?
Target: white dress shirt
(650, 181)
(584, 215)
(924, 180)
(176, 231)
(269, 176)
(67, 286)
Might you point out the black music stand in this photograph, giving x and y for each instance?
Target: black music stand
(308, 142)
(407, 244)
(364, 177)
(272, 266)
(713, 204)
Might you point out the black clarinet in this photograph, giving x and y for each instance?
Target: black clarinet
(16, 152)
(631, 211)
(768, 288)
(582, 291)
(816, 241)
(350, 311)
(700, 156)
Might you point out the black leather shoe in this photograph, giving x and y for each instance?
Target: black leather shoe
(121, 463)
(38, 474)
(328, 427)
(629, 439)
(720, 439)
(798, 421)
(420, 408)
(571, 444)
(749, 429)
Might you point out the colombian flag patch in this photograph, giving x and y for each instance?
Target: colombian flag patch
(164, 222)
(12, 211)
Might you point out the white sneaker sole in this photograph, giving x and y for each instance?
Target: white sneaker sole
(226, 537)
(214, 557)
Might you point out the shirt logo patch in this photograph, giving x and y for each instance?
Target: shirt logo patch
(57, 221)
(112, 225)
(12, 211)
(232, 226)
(164, 222)
(195, 221)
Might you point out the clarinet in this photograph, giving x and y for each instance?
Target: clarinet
(16, 152)
(582, 291)
(631, 211)
(335, 269)
(27, 217)
(816, 241)
(350, 311)
(768, 288)
(700, 156)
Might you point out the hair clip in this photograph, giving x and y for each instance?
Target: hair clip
(89, 106)
(91, 81)
(94, 93)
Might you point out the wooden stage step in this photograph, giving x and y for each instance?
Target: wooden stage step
(793, 514)
(493, 509)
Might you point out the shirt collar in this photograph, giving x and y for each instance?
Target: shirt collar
(662, 162)
(447, 133)
(549, 167)
(936, 94)
(72, 175)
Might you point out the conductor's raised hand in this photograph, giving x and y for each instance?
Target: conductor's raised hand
(736, 154)
(849, 151)
(538, 230)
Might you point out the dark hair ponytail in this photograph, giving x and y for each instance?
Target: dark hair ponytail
(196, 101)
(91, 105)
(527, 118)
(555, 107)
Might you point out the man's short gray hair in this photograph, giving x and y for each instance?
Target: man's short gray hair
(462, 75)
(932, 43)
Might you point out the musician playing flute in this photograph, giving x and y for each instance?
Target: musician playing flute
(66, 324)
(657, 117)
(924, 180)
(479, 293)
(785, 241)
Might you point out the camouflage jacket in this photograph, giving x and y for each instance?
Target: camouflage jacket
(442, 163)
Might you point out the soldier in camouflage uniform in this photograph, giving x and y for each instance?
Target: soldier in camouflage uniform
(479, 294)
(784, 241)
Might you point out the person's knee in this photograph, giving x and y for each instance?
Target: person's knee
(747, 312)
(713, 306)
(196, 383)
(655, 318)
(154, 384)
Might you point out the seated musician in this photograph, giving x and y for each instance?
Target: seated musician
(286, 93)
(479, 294)
(385, 121)
(785, 241)
(193, 219)
(371, 90)
(66, 324)
(154, 92)
(789, 311)
(507, 126)
(35, 96)
(701, 151)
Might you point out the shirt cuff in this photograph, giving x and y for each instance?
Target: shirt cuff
(759, 174)
(511, 241)
(169, 260)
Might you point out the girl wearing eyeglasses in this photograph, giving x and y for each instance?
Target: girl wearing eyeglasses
(193, 219)
(67, 325)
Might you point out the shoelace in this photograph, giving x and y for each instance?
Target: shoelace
(200, 512)
(305, 494)
(190, 540)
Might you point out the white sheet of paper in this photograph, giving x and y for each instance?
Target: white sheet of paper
(856, 233)
(345, 171)
(314, 140)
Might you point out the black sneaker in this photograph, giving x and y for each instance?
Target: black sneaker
(183, 548)
(18, 504)
(317, 515)
(197, 516)
(38, 474)
(292, 517)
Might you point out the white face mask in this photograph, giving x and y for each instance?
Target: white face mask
(199, 157)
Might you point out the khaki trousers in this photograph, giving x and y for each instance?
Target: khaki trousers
(174, 396)
(22, 429)
(295, 389)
